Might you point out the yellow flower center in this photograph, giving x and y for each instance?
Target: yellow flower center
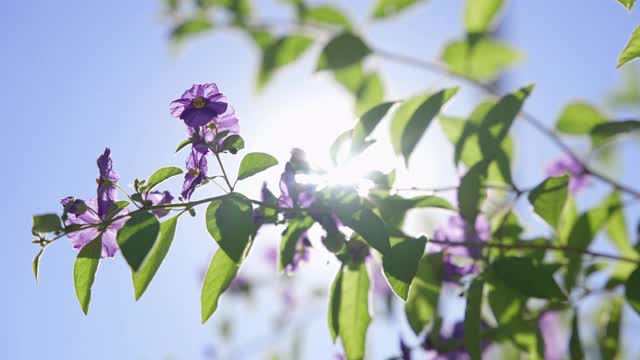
(212, 126)
(199, 102)
(194, 172)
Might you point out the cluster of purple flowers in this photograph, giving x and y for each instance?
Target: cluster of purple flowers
(92, 216)
(209, 119)
(458, 230)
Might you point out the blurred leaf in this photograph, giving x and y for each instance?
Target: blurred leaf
(579, 118)
(161, 175)
(367, 124)
(412, 119)
(338, 143)
(422, 301)
(549, 198)
(46, 223)
(506, 304)
(393, 208)
(229, 221)
(472, 192)
(632, 291)
(280, 53)
(401, 263)
(473, 320)
(343, 50)
(387, 8)
(147, 271)
(354, 317)
(137, 236)
(255, 162)
(632, 49)
(35, 265)
(295, 229)
(369, 93)
(575, 345)
(328, 14)
(609, 340)
(84, 271)
(361, 219)
(628, 4)
(527, 278)
(335, 296)
(351, 77)
(481, 59)
(221, 272)
(627, 95)
(190, 27)
(479, 14)
(617, 228)
(603, 132)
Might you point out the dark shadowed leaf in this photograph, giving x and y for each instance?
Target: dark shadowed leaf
(35, 265)
(232, 143)
(343, 50)
(575, 345)
(116, 208)
(221, 272)
(367, 124)
(84, 272)
(161, 175)
(632, 291)
(401, 263)
(422, 301)
(361, 219)
(46, 223)
(147, 271)
(472, 192)
(230, 222)
(280, 53)
(473, 319)
(412, 119)
(137, 236)
(255, 162)
(549, 198)
(527, 278)
(296, 227)
(605, 131)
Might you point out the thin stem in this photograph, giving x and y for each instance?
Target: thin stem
(224, 173)
(506, 188)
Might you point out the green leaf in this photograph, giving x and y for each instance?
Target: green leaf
(626, 95)
(412, 119)
(632, 49)
(628, 4)
(343, 50)
(473, 320)
(280, 53)
(579, 118)
(605, 131)
(147, 271)
(46, 223)
(617, 228)
(296, 227)
(351, 77)
(116, 208)
(232, 143)
(367, 224)
(183, 144)
(229, 221)
(506, 304)
(609, 340)
(549, 198)
(401, 263)
(255, 162)
(472, 192)
(527, 278)
(632, 290)
(137, 236)
(575, 345)
(369, 93)
(354, 318)
(328, 15)
(367, 124)
(479, 14)
(387, 8)
(84, 272)
(422, 302)
(335, 297)
(191, 27)
(36, 263)
(161, 175)
(221, 272)
(338, 144)
(481, 59)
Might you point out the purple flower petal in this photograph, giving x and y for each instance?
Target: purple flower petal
(196, 173)
(159, 198)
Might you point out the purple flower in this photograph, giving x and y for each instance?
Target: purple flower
(73, 205)
(90, 217)
(301, 254)
(196, 173)
(292, 193)
(569, 164)
(453, 271)
(159, 198)
(287, 297)
(227, 121)
(239, 285)
(455, 354)
(405, 351)
(457, 230)
(555, 347)
(380, 285)
(199, 105)
(271, 256)
(107, 192)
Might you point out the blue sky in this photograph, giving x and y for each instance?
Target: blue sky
(78, 76)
